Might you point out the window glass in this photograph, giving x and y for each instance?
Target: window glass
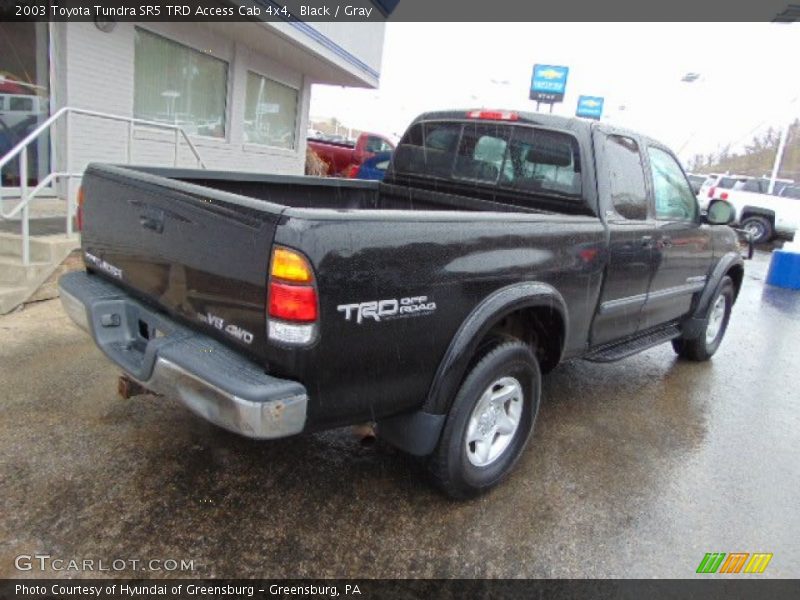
(543, 161)
(177, 84)
(674, 198)
(270, 112)
(481, 152)
(374, 144)
(626, 177)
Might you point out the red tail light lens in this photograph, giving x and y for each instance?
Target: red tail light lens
(352, 171)
(292, 302)
(711, 191)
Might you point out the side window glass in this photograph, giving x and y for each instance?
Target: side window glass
(674, 198)
(373, 144)
(626, 177)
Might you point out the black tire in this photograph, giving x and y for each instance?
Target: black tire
(702, 348)
(759, 227)
(450, 466)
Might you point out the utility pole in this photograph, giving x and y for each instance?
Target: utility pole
(778, 157)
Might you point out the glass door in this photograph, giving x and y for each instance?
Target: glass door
(24, 98)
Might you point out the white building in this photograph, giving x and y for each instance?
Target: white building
(234, 94)
(239, 91)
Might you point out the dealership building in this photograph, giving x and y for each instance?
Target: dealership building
(228, 96)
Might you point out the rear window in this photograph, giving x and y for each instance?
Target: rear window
(527, 159)
(727, 182)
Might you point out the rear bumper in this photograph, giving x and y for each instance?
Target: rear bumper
(212, 380)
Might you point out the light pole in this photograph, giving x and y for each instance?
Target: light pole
(691, 77)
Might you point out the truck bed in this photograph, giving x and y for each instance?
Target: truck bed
(196, 245)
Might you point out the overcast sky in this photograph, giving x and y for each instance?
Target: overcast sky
(749, 76)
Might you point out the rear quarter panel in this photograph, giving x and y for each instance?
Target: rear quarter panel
(378, 368)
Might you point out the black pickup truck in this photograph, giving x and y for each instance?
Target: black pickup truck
(499, 245)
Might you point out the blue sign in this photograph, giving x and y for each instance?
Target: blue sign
(549, 82)
(590, 107)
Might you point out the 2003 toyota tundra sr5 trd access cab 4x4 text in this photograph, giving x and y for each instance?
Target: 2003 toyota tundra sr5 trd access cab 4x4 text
(499, 245)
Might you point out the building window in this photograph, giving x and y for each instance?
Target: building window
(270, 112)
(176, 84)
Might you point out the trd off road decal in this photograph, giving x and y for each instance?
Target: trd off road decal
(392, 308)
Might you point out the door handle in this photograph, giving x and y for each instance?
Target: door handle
(647, 241)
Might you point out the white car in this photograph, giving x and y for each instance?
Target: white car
(713, 183)
(763, 215)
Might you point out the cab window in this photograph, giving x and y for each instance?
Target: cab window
(626, 177)
(673, 195)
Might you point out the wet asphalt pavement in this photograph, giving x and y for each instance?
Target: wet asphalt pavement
(636, 469)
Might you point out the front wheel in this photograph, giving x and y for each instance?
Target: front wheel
(489, 422)
(705, 345)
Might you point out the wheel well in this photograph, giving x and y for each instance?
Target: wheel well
(749, 211)
(541, 327)
(736, 273)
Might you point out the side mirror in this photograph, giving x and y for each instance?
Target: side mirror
(720, 212)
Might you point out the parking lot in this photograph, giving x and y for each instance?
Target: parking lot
(636, 469)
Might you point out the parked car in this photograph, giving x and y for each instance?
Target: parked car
(717, 182)
(499, 245)
(373, 168)
(341, 155)
(762, 215)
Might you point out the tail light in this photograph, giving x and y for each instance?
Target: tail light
(493, 115)
(352, 171)
(292, 303)
(711, 191)
(79, 210)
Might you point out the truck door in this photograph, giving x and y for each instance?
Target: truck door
(624, 201)
(682, 248)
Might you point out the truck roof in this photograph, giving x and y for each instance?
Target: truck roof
(574, 124)
(523, 117)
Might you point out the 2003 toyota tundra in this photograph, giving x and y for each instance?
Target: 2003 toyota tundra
(499, 245)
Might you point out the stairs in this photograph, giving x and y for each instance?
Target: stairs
(18, 282)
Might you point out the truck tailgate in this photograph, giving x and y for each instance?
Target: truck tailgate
(199, 254)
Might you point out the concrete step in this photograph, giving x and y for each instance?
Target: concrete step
(13, 272)
(11, 297)
(18, 282)
(46, 248)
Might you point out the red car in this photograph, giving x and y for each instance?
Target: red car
(342, 156)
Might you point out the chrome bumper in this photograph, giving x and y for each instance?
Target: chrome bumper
(209, 378)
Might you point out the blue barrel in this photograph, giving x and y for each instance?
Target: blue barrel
(784, 270)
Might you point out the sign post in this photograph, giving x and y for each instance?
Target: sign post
(548, 84)
(590, 107)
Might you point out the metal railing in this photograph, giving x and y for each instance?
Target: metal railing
(21, 150)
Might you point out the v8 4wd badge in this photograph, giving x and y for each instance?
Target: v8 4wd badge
(391, 308)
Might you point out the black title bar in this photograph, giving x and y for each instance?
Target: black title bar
(400, 10)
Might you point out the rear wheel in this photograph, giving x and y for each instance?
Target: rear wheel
(489, 422)
(759, 227)
(705, 345)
